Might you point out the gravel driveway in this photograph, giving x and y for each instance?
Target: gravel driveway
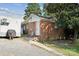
(19, 47)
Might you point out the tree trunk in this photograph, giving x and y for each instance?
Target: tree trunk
(75, 36)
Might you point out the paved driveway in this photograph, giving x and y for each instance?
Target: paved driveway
(19, 47)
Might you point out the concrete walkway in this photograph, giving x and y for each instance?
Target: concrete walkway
(19, 47)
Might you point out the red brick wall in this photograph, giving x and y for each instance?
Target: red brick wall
(48, 30)
(31, 27)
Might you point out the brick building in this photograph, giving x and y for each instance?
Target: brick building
(43, 27)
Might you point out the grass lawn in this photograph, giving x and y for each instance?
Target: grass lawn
(64, 47)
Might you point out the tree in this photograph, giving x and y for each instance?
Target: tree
(67, 15)
(32, 8)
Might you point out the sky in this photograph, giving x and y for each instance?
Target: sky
(17, 8)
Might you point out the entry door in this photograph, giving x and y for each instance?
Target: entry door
(37, 28)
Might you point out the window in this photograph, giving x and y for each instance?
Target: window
(4, 22)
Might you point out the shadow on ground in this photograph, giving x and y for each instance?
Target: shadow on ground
(6, 38)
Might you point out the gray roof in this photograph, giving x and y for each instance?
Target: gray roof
(48, 18)
(45, 18)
